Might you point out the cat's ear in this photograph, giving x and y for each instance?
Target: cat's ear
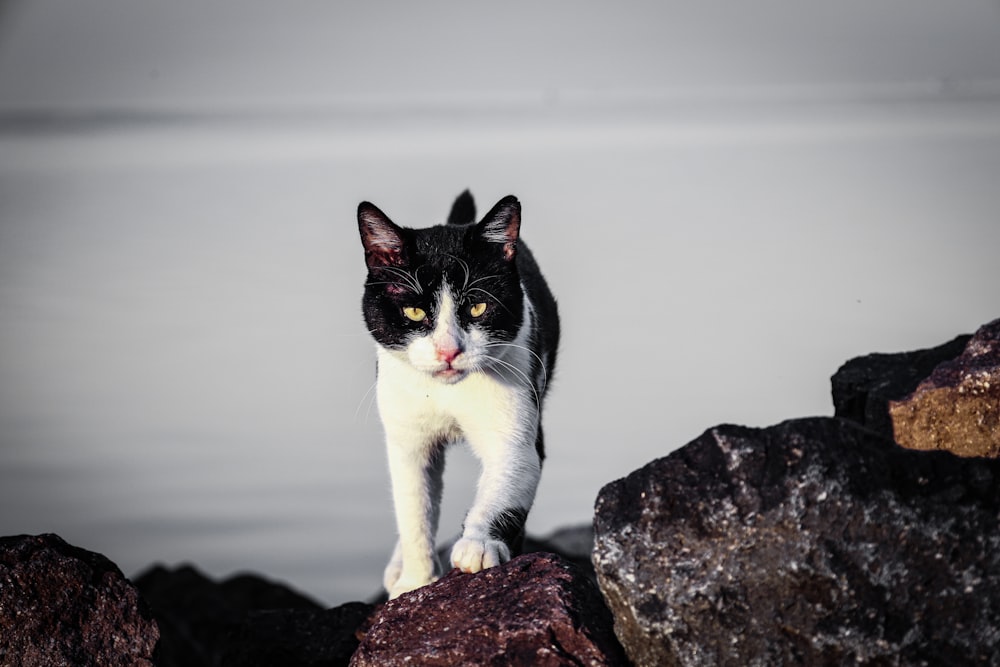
(383, 240)
(463, 211)
(502, 225)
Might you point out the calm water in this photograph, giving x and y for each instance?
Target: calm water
(183, 371)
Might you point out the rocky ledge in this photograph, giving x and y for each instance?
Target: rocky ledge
(813, 542)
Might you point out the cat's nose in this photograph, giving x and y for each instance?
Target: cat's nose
(448, 354)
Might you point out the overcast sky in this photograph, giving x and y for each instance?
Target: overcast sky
(235, 53)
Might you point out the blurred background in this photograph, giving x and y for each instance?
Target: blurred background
(728, 199)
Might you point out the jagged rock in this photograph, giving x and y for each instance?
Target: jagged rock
(62, 605)
(864, 386)
(956, 408)
(813, 542)
(535, 610)
(245, 621)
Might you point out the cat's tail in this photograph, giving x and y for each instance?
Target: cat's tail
(463, 211)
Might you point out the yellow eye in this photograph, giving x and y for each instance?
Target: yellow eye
(477, 309)
(415, 314)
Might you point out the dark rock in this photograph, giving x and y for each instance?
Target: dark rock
(813, 542)
(296, 637)
(863, 387)
(244, 620)
(62, 605)
(573, 543)
(535, 610)
(957, 408)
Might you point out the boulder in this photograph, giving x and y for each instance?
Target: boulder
(245, 621)
(537, 609)
(957, 407)
(812, 542)
(62, 605)
(864, 386)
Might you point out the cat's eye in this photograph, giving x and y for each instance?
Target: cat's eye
(414, 313)
(477, 309)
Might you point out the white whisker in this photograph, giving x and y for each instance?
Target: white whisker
(465, 268)
(479, 280)
(408, 278)
(526, 381)
(371, 402)
(492, 296)
(541, 364)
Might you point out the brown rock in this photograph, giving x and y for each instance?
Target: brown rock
(535, 610)
(957, 408)
(863, 386)
(62, 605)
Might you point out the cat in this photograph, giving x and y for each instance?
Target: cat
(466, 334)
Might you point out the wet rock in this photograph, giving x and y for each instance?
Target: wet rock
(956, 408)
(538, 609)
(245, 620)
(864, 386)
(62, 605)
(812, 542)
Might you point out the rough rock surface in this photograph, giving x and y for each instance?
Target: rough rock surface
(863, 387)
(957, 408)
(813, 542)
(245, 621)
(535, 610)
(62, 605)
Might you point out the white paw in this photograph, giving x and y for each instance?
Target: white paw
(405, 584)
(399, 579)
(470, 555)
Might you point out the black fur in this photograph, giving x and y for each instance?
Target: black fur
(508, 526)
(463, 211)
(431, 256)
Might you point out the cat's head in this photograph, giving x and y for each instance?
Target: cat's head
(447, 298)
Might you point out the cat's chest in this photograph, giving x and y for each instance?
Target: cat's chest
(406, 394)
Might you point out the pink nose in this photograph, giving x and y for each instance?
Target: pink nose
(448, 354)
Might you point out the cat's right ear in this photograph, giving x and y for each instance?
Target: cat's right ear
(383, 240)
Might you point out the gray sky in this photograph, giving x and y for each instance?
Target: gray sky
(234, 53)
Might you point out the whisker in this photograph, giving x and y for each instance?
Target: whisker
(465, 268)
(371, 402)
(526, 380)
(541, 364)
(407, 277)
(492, 296)
(479, 280)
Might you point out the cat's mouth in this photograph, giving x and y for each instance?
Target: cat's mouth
(450, 375)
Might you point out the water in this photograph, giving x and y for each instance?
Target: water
(184, 375)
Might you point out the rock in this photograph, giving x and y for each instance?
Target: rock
(536, 609)
(572, 543)
(956, 408)
(296, 637)
(245, 620)
(864, 386)
(813, 542)
(62, 605)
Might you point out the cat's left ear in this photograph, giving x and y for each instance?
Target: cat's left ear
(502, 225)
(383, 240)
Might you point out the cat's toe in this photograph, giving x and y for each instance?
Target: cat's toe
(470, 555)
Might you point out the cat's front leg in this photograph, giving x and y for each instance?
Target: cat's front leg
(494, 526)
(416, 472)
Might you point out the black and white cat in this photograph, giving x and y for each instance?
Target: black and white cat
(466, 332)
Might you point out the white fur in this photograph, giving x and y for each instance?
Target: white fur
(495, 409)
